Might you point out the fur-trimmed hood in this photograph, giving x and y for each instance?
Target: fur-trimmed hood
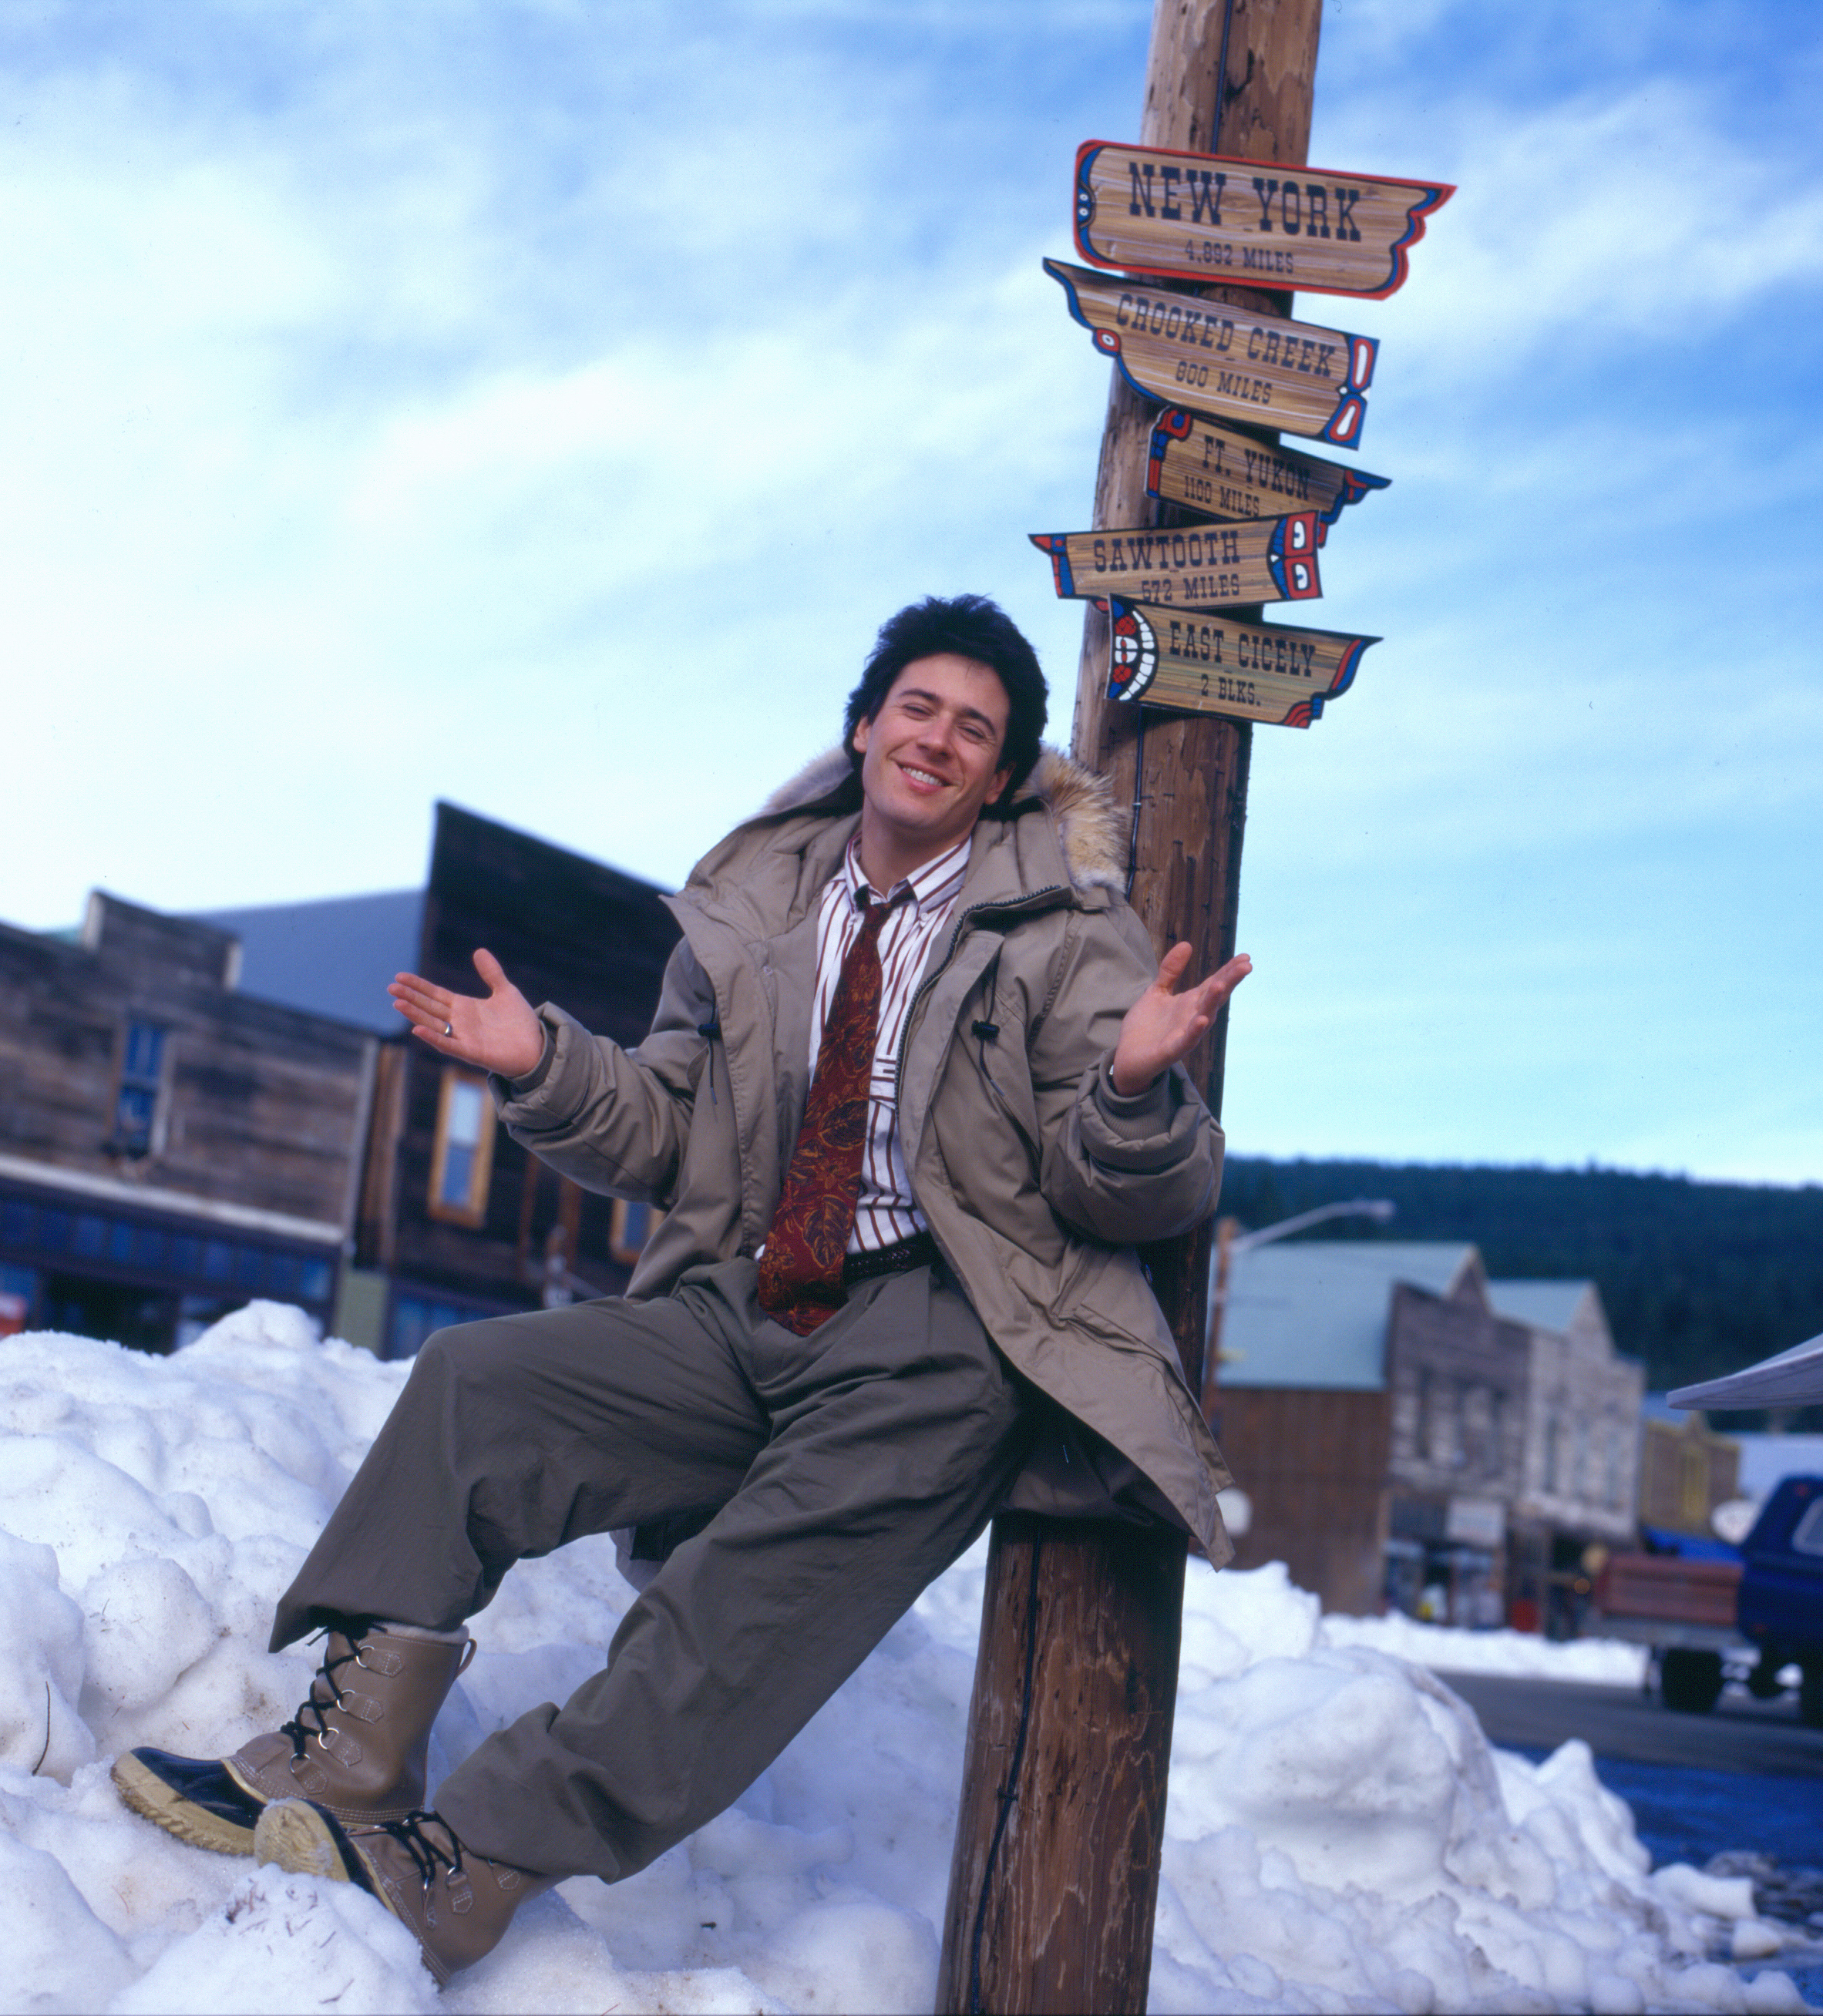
(1082, 810)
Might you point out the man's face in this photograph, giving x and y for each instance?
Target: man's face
(930, 757)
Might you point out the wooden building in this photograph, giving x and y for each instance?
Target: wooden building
(1686, 1471)
(454, 1220)
(169, 1146)
(194, 1111)
(1389, 1413)
(1578, 1496)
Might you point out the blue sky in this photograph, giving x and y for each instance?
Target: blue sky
(538, 406)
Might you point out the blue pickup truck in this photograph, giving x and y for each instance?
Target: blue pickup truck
(1779, 1608)
(1763, 1612)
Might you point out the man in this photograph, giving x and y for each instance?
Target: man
(911, 1091)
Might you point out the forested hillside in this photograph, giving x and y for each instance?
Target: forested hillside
(1698, 1278)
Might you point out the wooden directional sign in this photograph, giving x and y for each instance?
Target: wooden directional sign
(1220, 473)
(1212, 664)
(1220, 359)
(1192, 567)
(1150, 210)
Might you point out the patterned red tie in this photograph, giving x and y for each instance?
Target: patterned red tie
(801, 1268)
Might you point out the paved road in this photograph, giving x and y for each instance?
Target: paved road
(1738, 1734)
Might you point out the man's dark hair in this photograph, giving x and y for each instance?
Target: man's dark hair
(972, 627)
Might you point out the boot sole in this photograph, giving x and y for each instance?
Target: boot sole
(304, 1841)
(152, 1799)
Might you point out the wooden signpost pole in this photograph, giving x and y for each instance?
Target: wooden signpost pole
(1054, 1880)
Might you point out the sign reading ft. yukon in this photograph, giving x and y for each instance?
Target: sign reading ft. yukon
(1220, 473)
(1212, 664)
(1222, 359)
(1193, 566)
(1150, 210)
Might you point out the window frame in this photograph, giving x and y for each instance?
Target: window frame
(472, 1212)
(619, 1251)
(154, 1083)
(1807, 1534)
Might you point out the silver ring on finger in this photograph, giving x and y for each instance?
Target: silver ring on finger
(447, 1030)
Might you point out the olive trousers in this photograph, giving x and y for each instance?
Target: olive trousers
(850, 1468)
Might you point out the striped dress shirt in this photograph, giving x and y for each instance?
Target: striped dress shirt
(886, 1211)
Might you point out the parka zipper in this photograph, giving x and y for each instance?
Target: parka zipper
(931, 980)
(711, 1032)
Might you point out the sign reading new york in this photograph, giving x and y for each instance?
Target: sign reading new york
(1222, 359)
(1212, 664)
(1152, 209)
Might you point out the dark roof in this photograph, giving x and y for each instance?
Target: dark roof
(333, 957)
(567, 929)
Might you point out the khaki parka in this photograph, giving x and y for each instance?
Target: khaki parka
(1034, 1175)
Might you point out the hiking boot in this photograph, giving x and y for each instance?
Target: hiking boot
(358, 1743)
(458, 1902)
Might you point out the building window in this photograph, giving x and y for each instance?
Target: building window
(629, 1228)
(1441, 1404)
(1477, 1452)
(415, 1317)
(462, 1160)
(142, 1077)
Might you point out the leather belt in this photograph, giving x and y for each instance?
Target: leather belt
(919, 1250)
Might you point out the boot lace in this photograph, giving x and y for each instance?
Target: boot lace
(312, 1708)
(428, 1857)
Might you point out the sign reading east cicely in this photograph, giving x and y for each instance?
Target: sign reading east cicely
(1192, 567)
(1212, 664)
(1150, 210)
(1223, 474)
(1220, 359)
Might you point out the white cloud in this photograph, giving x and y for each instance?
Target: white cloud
(539, 406)
(1596, 232)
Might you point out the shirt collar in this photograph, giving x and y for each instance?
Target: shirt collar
(935, 881)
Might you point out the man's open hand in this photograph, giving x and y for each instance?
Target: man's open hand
(497, 1032)
(1164, 1025)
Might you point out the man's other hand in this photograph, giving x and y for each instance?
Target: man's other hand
(1164, 1025)
(496, 1032)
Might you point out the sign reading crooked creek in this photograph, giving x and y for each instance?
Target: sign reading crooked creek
(1219, 474)
(1219, 359)
(1212, 664)
(1207, 216)
(1192, 567)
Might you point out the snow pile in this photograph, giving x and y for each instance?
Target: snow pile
(1340, 1835)
(1609, 1662)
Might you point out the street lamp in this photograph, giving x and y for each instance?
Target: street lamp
(1230, 1239)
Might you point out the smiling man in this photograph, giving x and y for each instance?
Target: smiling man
(913, 1090)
